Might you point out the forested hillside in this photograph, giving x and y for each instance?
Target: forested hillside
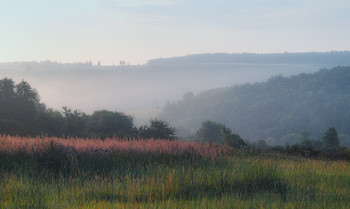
(272, 109)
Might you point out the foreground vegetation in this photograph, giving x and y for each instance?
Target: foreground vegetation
(47, 172)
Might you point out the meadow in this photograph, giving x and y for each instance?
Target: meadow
(46, 172)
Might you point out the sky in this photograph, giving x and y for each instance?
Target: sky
(136, 31)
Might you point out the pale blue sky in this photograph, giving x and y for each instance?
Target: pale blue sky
(139, 30)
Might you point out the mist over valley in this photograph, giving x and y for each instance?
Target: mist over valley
(137, 89)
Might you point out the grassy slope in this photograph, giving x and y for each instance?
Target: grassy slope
(49, 178)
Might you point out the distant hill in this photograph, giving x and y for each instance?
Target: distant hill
(275, 108)
(311, 58)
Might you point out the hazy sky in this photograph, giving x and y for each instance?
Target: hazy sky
(139, 30)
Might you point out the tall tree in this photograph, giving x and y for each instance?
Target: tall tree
(330, 140)
(232, 140)
(210, 132)
(76, 122)
(27, 100)
(7, 98)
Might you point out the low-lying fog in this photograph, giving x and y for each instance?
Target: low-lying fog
(137, 89)
(134, 88)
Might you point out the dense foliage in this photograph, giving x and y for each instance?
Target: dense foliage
(19, 107)
(158, 129)
(21, 113)
(217, 133)
(273, 109)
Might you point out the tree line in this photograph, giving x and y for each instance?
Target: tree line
(326, 147)
(316, 58)
(218, 133)
(22, 113)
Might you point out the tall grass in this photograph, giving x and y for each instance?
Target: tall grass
(90, 173)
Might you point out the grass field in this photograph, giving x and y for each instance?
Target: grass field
(47, 172)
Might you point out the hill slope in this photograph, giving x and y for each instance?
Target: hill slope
(282, 105)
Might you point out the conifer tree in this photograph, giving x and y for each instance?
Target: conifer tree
(330, 140)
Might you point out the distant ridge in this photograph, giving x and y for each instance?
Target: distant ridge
(318, 58)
